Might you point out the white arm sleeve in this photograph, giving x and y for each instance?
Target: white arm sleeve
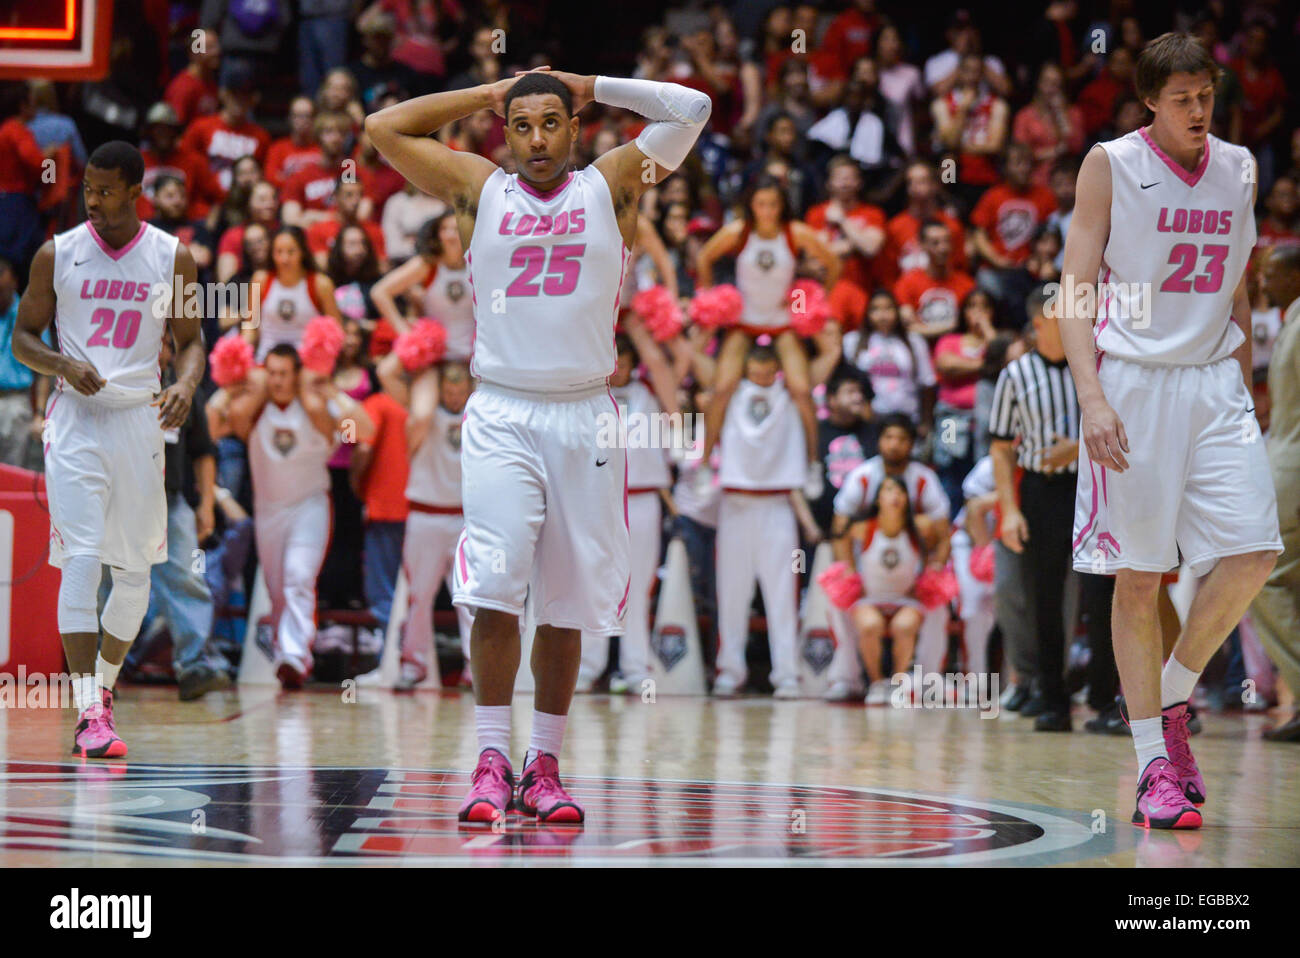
(679, 114)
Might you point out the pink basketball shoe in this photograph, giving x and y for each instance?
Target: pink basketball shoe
(96, 735)
(542, 795)
(1174, 722)
(492, 789)
(1160, 802)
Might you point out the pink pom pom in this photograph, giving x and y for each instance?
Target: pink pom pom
(231, 359)
(809, 308)
(935, 587)
(981, 563)
(841, 584)
(422, 345)
(322, 341)
(717, 307)
(659, 311)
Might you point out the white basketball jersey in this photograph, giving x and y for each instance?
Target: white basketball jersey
(435, 467)
(286, 311)
(647, 436)
(447, 299)
(107, 311)
(545, 270)
(762, 440)
(288, 457)
(764, 272)
(923, 489)
(889, 565)
(1178, 246)
(978, 482)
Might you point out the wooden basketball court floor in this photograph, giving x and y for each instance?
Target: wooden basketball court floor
(257, 776)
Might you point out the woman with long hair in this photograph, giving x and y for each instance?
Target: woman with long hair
(353, 267)
(958, 362)
(291, 293)
(896, 361)
(766, 244)
(891, 555)
(435, 283)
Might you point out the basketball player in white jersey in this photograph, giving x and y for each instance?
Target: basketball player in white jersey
(290, 420)
(1171, 464)
(436, 519)
(762, 465)
(648, 480)
(110, 284)
(545, 507)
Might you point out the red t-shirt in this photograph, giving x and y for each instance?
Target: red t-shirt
(1010, 217)
(857, 268)
(21, 159)
(204, 190)
(935, 301)
(903, 245)
(322, 233)
(384, 486)
(848, 302)
(285, 158)
(312, 187)
(1262, 92)
(191, 97)
(849, 37)
(223, 145)
(956, 391)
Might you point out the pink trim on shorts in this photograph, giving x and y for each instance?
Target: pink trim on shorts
(549, 194)
(1191, 179)
(115, 254)
(460, 555)
(627, 589)
(1092, 518)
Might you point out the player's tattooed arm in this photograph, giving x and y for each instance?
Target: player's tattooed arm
(187, 332)
(35, 313)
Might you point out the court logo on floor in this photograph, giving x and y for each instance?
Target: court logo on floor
(225, 813)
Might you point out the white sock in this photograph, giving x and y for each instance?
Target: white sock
(1176, 683)
(547, 735)
(1149, 740)
(86, 692)
(107, 671)
(493, 724)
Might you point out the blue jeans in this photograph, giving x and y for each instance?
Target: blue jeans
(322, 46)
(232, 465)
(381, 559)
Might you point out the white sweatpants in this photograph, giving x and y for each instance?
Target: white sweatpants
(645, 526)
(291, 544)
(427, 553)
(757, 539)
(977, 605)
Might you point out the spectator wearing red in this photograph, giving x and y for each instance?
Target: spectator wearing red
(903, 249)
(297, 151)
(854, 230)
(1049, 124)
(1264, 98)
(1281, 223)
(348, 197)
(930, 298)
(420, 29)
(263, 210)
(972, 122)
(309, 193)
(958, 362)
(193, 92)
(1097, 100)
(851, 33)
(165, 155)
(230, 134)
(1006, 220)
(21, 164)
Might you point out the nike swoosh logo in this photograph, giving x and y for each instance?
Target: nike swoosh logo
(601, 462)
(82, 263)
(1147, 186)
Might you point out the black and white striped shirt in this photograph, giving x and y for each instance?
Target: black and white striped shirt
(1035, 402)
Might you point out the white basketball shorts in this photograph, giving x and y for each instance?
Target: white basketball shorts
(1198, 484)
(104, 477)
(545, 508)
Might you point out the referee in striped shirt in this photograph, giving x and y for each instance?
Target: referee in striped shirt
(1035, 425)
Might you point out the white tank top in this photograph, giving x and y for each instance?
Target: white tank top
(546, 271)
(435, 467)
(288, 457)
(1183, 241)
(889, 565)
(647, 468)
(447, 299)
(107, 311)
(286, 311)
(764, 272)
(762, 440)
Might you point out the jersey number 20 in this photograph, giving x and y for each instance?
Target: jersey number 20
(124, 327)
